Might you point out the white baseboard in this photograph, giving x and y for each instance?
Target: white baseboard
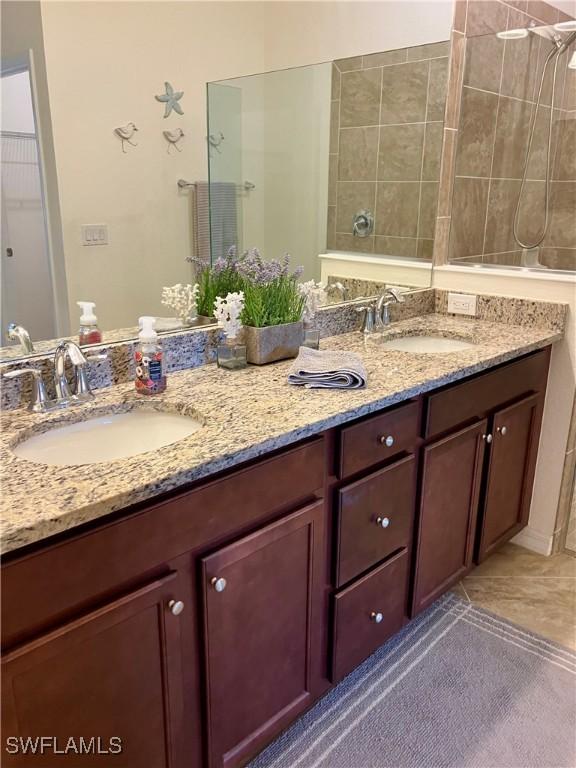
(535, 541)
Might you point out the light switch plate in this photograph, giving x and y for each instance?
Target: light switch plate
(94, 234)
(462, 304)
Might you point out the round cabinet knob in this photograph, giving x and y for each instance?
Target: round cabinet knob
(383, 522)
(176, 607)
(387, 440)
(376, 617)
(502, 430)
(488, 438)
(219, 584)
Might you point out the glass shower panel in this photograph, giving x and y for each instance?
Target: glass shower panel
(268, 164)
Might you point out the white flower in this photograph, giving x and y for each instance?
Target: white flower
(227, 312)
(182, 299)
(315, 295)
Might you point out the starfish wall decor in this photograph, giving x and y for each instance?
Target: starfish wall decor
(170, 99)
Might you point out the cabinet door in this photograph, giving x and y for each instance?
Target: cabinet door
(263, 646)
(112, 674)
(510, 475)
(450, 487)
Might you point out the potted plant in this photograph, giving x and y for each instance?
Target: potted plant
(273, 307)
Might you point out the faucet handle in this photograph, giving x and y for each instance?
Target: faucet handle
(369, 321)
(95, 357)
(39, 401)
(81, 386)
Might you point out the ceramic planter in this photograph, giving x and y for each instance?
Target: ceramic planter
(275, 342)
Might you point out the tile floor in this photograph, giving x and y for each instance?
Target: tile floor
(533, 591)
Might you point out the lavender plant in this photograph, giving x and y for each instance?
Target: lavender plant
(218, 280)
(271, 295)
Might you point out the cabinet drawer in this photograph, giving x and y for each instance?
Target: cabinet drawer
(476, 398)
(375, 518)
(378, 438)
(356, 632)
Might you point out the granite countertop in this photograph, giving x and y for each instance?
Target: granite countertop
(245, 414)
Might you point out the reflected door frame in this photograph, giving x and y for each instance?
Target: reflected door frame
(58, 293)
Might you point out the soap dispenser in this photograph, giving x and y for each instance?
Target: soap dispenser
(89, 332)
(150, 378)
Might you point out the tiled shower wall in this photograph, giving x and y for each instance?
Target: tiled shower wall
(501, 83)
(385, 149)
(496, 86)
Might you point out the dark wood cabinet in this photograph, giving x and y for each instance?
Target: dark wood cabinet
(510, 474)
(292, 569)
(113, 674)
(450, 488)
(262, 625)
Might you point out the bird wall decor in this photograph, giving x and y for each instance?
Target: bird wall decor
(173, 137)
(125, 134)
(170, 100)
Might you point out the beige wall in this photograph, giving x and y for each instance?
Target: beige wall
(105, 62)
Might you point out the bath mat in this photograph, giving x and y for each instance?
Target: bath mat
(457, 688)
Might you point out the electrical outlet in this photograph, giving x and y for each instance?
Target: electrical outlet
(95, 234)
(462, 304)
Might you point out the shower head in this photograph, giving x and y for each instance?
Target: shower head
(555, 34)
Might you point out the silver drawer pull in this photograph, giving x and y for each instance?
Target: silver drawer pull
(383, 522)
(376, 617)
(219, 584)
(387, 440)
(488, 438)
(175, 607)
(502, 430)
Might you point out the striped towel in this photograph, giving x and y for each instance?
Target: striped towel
(325, 369)
(216, 227)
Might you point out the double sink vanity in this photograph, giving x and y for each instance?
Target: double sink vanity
(195, 599)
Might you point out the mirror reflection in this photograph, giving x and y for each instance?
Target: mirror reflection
(338, 158)
(115, 191)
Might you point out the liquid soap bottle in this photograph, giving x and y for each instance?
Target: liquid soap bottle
(150, 378)
(89, 332)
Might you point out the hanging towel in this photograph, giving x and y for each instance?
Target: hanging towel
(216, 219)
(201, 217)
(327, 369)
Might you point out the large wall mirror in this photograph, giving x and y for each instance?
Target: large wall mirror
(333, 159)
(121, 169)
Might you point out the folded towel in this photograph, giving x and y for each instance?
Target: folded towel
(315, 368)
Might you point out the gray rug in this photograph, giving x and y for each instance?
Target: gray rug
(457, 688)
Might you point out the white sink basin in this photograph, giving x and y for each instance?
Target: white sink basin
(107, 438)
(427, 344)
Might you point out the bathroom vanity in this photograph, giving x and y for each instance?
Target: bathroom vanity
(197, 624)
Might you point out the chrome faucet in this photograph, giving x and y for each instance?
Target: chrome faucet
(80, 393)
(18, 333)
(81, 389)
(389, 296)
